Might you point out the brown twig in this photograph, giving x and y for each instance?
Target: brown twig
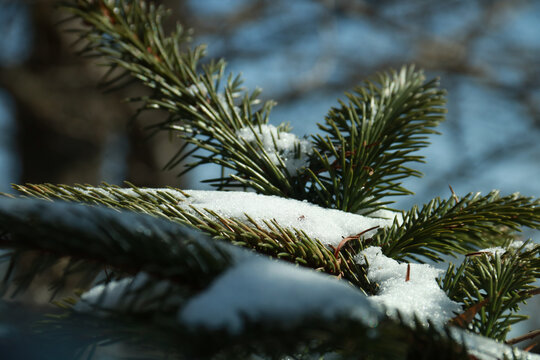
(532, 292)
(408, 275)
(349, 238)
(367, 146)
(467, 316)
(105, 11)
(456, 199)
(454, 226)
(527, 336)
(335, 164)
(150, 51)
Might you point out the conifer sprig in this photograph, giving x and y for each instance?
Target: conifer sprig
(269, 238)
(457, 225)
(493, 284)
(168, 252)
(96, 237)
(371, 138)
(206, 110)
(365, 150)
(360, 160)
(143, 315)
(342, 337)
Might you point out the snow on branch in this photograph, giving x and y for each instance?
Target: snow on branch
(417, 295)
(282, 148)
(185, 281)
(288, 229)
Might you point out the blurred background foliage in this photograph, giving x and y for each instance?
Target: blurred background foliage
(57, 126)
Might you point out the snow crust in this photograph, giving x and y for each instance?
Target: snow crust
(293, 151)
(421, 296)
(263, 289)
(328, 225)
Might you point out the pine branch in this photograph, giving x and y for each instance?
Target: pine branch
(530, 335)
(269, 238)
(372, 137)
(361, 160)
(133, 243)
(498, 281)
(343, 337)
(206, 111)
(450, 226)
(160, 269)
(134, 314)
(96, 238)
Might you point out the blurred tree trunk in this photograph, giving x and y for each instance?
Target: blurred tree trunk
(64, 123)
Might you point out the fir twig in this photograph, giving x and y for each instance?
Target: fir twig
(206, 110)
(371, 139)
(448, 227)
(269, 238)
(491, 286)
(94, 237)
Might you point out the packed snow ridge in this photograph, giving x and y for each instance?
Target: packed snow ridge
(279, 145)
(330, 226)
(265, 290)
(259, 289)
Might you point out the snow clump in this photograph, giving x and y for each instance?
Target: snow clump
(420, 296)
(262, 289)
(292, 150)
(329, 226)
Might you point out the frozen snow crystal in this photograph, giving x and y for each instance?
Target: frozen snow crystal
(516, 244)
(493, 250)
(420, 296)
(194, 89)
(262, 290)
(279, 144)
(107, 296)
